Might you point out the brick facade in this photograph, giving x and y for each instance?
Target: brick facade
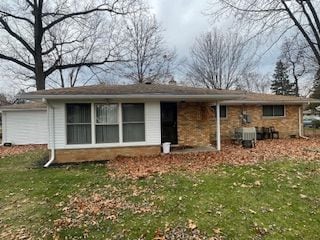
(287, 125)
(197, 125)
(102, 154)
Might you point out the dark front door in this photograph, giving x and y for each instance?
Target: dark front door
(169, 123)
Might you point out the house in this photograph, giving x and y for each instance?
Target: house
(100, 122)
(25, 123)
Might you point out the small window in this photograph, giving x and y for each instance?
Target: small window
(273, 110)
(223, 111)
(133, 122)
(107, 123)
(78, 123)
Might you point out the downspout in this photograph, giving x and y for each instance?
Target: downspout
(300, 124)
(3, 126)
(51, 136)
(218, 132)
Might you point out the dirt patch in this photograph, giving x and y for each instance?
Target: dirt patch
(267, 150)
(14, 150)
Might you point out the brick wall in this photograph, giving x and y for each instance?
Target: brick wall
(287, 125)
(102, 154)
(197, 125)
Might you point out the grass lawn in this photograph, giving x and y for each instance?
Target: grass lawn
(274, 200)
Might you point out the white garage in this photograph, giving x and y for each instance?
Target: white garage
(24, 124)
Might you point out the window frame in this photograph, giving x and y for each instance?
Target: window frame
(95, 123)
(93, 143)
(77, 124)
(135, 122)
(273, 111)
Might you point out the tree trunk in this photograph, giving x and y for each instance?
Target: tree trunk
(38, 33)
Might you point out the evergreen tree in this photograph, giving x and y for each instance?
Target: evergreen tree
(281, 84)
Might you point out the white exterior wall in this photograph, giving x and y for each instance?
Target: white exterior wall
(25, 127)
(152, 128)
(153, 123)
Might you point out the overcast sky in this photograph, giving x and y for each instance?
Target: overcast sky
(183, 21)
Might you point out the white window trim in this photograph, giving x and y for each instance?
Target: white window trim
(104, 124)
(93, 120)
(66, 124)
(275, 117)
(144, 122)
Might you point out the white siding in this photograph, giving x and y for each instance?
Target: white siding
(153, 123)
(152, 127)
(58, 112)
(4, 128)
(25, 127)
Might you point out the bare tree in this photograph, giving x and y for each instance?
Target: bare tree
(148, 57)
(32, 31)
(276, 17)
(104, 39)
(295, 57)
(219, 60)
(255, 82)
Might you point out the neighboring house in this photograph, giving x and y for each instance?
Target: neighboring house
(25, 123)
(101, 122)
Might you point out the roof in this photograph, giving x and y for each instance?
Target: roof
(136, 91)
(165, 93)
(24, 107)
(263, 98)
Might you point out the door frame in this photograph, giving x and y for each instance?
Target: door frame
(176, 121)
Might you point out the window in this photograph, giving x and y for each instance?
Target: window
(223, 111)
(133, 122)
(107, 123)
(78, 123)
(273, 110)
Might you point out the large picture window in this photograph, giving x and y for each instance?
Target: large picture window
(78, 123)
(133, 122)
(107, 123)
(273, 110)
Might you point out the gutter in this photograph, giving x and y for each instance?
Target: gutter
(51, 136)
(3, 125)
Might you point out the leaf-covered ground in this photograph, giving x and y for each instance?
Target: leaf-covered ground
(267, 150)
(277, 199)
(13, 150)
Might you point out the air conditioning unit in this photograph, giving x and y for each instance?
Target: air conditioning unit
(247, 133)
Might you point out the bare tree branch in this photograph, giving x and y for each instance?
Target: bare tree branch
(14, 60)
(219, 60)
(44, 36)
